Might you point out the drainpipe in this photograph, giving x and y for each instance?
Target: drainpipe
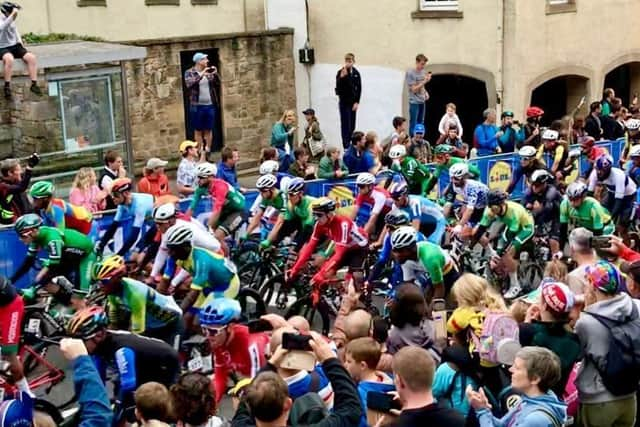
(48, 11)
(500, 50)
(308, 45)
(244, 14)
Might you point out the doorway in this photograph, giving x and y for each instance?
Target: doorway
(625, 80)
(560, 96)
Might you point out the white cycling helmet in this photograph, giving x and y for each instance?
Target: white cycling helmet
(576, 189)
(635, 151)
(269, 166)
(365, 178)
(540, 176)
(266, 181)
(403, 237)
(397, 151)
(179, 234)
(550, 135)
(459, 170)
(164, 213)
(527, 152)
(206, 170)
(632, 124)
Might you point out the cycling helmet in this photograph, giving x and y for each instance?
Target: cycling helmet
(109, 267)
(398, 189)
(295, 185)
(27, 222)
(206, 170)
(42, 189)
(604, 162)
(266, 181)
(587, 142)
(164, 213)
(179, 234)
(403, 237)
(576, 189)
(324, 205)
(527, 152)
(540, 176)
(397, 151)
(635, 151)
(534, 112)
(550, 135)
(121, 185)
(496, 197)
(269, 166)
(459, 170)
(632, 124)
(397, 218)
(220, 312)
(87, 322)
(443, 149)
(365, 178)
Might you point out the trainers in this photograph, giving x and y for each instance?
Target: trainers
(7, 92)
(36, 89)
(513, 292)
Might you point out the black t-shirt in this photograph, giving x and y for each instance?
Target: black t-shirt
(432, 415)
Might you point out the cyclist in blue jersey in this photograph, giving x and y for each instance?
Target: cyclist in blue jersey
(632, 168)
(134, 207)
(474, 195)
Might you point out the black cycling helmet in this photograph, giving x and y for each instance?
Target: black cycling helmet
(496, 197)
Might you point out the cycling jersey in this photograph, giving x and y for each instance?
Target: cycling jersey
(633, 172)
(559, 154)
(147, 308)
(431, 260)
(61, 214)
(416, 174)
(244, 354)
(429, 213)
(590, 215)
(617, 182)
(302, 211)
(519, 225)
(527, 171)
(385, 255)
(11, 312)
(377, 202)
(139, 211)
(474, 193)
(225, 198)
(444, 167)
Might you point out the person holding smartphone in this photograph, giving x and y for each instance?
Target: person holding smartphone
(418, 95)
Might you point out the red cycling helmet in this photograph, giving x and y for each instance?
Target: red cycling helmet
(534, 112)
(588, 142)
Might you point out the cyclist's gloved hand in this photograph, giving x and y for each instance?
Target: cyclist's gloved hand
(29, 293)
(98, 248)
(438, 304)
(265, 244)
(33, 160)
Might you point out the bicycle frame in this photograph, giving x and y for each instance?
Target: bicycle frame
(50, 377)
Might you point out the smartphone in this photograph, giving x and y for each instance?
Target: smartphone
(382, 402)
(299, 360)
(600, 242)
(259, 325)
(296, 342)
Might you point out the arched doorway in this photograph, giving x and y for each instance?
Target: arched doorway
(625, 80)
(560, 96)
(469, 95)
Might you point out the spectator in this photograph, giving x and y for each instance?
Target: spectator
(331, 165)
(301, 167)
(420, 148)
(373, 145)
(460, 148)
(510, 138)
(598, 405)
(593, 124)
(632, 270)
(13, 185)
(154, 181)
(450, 117)
(85, 191)
(267, 401)
(607, 97)
(357, 158)
(611, 128)
(153, 405)
(11, 47)
(268, 153)
(416, 80)
(583, 255)
(202, 83)
(532, 127)
(282, 136)
(194, 401)
(348, 89)
(227, 167)
(486, 135)
(535, 371)
(313, 139)
(186, 177)
(113, 169)
(413, 370)
(399, 128)
(452, 377)
(577, 130)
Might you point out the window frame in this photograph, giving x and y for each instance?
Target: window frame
(438, 5)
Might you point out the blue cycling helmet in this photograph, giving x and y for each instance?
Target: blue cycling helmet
(397, 218)
(604, 162)
(220, 312)
(398, 189)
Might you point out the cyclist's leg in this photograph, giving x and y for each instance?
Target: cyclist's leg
(84, 271)
(10, 332)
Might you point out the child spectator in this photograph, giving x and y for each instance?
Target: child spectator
(557, 270)
(194, 401)
(85, 191)
(455, 373)
(155, 181)
(153, 405)
(399, 127)
(331, 165)
(300, 166)
(450, 116)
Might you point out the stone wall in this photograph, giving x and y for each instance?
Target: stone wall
(257, 73)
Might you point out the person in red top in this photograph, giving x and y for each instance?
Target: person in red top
(591, 151)
(376, 202)
(349, 240)
(154, 181)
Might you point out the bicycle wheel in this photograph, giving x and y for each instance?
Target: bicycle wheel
(270, 287)
(251, 303)
(247, 274)
(316, 316)
(530, 275)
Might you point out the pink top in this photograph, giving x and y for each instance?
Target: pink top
(87, 198)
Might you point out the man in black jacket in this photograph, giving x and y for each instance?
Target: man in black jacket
(13, 185)
(593, 124)
(348, 89)
(267, 402)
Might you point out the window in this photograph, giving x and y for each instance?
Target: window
(560, 6)
(552, 2)
(433, 5)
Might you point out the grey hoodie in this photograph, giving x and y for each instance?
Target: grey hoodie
(9, 35)
(421, 336)
(594, 338)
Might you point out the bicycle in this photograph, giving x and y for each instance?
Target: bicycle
(272, 263)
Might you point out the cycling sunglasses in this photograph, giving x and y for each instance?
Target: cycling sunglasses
(211, 332)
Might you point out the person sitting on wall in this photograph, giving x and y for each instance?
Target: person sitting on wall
(12, 47)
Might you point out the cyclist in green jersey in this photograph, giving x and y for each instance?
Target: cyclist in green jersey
(149, 313)
(416, 174)
(444, 160)
(583, 211)
(272, 202)
(68, 252)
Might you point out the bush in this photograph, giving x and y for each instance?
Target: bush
(31, 38)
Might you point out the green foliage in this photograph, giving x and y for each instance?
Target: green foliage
(31, 38)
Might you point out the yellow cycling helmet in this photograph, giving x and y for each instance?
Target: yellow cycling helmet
(109, 268)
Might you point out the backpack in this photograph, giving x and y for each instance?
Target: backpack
(307, 409)
(621, 372)
(498, 330)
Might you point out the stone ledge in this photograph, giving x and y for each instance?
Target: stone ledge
(162, 2)
(88, 3)
(208, 37)
(553, 9)
(437, 14)
(204, 2)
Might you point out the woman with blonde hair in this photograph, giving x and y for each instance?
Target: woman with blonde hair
(85, 191)
(282, 136)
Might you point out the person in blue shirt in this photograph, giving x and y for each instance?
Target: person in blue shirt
(510, 138)
(486, 134)
(357, 158)
(632, 168)
(227, 167)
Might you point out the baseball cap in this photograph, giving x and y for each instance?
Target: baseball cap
(186, 144)
(507, 114)
(309, 112)
(199, 56)
(155, 162)
(557, 296)
(418, 128)
(605, 277)
(17, 412)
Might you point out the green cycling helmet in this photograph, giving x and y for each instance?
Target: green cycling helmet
(27, 222)
(42, 189)
(443, 149)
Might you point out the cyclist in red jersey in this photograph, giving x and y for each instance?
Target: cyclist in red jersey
(234, 348)
(11, 312)
(350, 243)
(375, 200)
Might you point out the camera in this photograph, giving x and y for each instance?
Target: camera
(7, 7)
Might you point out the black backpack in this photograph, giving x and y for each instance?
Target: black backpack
(621, 372)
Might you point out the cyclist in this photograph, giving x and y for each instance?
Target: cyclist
(227, 214)
(272, 203)
(621, 190)
(424, 215)
(558, 150)
(134, 214)
(529, 163)
(68, 251)
(416, 174)
(518, 230)
(543, 200)
(58, 213)
(372, 202)
(474, 195)
(137, 359)
(11, 312)
(350, 243)
(633, 165)
(234, 348)
(271, 167)
(444, 159)
(424, 259)
(150, 313)
(583, 211)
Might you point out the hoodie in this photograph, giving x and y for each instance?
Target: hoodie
(594, 338)
(530, 412)
(421, 336)
(383, 385)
